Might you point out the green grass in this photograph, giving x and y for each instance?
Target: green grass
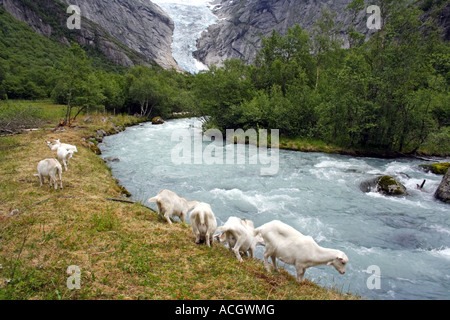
(105, 221)
(308, 145)
(22, 114)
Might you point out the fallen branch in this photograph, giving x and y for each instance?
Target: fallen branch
(7, 130)
(118, 200)
(421, 186)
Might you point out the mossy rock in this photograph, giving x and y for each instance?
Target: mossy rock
(124, 191)
(111, 131)
(93, 140)
(436, 168)
(95, 149)
(389, 186)
(157, 120)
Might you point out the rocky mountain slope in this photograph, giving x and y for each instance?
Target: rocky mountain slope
(138, 31)
(244, 22)
(126, 31)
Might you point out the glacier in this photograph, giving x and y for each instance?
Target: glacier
(191, 18)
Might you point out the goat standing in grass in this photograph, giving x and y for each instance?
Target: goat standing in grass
(51, 169)
(203, 223)
(63, 151)
(292, 247)
(172, 205)
(239, 236)
(64, 145)
(64, 156)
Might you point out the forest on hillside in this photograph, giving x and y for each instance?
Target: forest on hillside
(387, 93)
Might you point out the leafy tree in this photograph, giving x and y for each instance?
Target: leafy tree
(282, 59)
(220, 90)
(77, 85)
(325, 42)
(113, 87)
(146, 89)
(355, 38)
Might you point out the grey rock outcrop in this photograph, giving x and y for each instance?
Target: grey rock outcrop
(138, 24)
(126, 31)
(443, 191)
(23, 13)
(243, 23)
(369, 185)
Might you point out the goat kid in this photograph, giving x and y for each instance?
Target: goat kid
(64, 156)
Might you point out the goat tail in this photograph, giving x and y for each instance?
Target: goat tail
(36, 175)
(154, 199)
(202, 219)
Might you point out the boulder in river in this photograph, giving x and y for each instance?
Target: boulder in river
(391, 187)
(369, 185)
(436, 168)
(385, 185)
(157, 120)
(111, 159)
(443, 191)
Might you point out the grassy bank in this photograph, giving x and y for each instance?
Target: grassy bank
(124, 251)
(435, 147)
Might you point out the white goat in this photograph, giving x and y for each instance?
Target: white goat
(57, 144)
(292, 247)
(239, 236)
(64, 156)
(50, 168)
(170, 204)
(52, 147)
(63, 151)
(203, 223)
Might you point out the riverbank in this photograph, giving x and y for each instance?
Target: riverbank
(123, 250)
(311, 145)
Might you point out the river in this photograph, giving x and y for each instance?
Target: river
(398, 247)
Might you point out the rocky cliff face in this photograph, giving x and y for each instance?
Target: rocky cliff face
(244, 22)
(138, 24)
(25, 14)
(126, 31)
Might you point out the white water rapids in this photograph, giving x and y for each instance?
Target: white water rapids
(407, 238)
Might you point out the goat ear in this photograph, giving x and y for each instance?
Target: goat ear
(330, 263)
(341, 259)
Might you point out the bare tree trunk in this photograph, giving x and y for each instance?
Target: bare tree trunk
(79, 111)
(142, 109)
(317, 76)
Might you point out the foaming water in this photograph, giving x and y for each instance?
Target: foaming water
(408, 238)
